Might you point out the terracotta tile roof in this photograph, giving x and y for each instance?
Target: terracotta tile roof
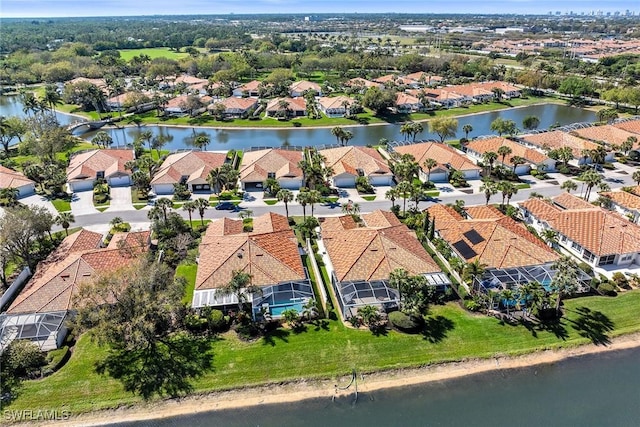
(441, 153)
(559, 139)
(190, 80)
(427, 77)
(57, 280)
(403, 98)
(195, 165)
(251, 86)
(493, 238)
(632, 126)
(569, 201)
(12, 179)
(256, 165)
(599, 231)
(86, 165)
(270, 257)
(234, 103)
(132, 239)
(469, 90)
(388, 78)
(350, 159)
(492, 144)
(441, 94)
(338, 223)
(302, 85)
(295, 104)
(364, 253)
(627, 200)
(358, 81)
(334, 102)
(176, 102)
(380, 219)
(607, 133)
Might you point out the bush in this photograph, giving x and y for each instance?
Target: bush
(217, 321)
(564, 170)
(195, 323)
(324, 191)
(471, 305)
(297, 124)
(609, 166)
(225, 196)
(100, 199)
(586, 268)
(607, 288)
(403, 322)
(620, 280)
(57, 358)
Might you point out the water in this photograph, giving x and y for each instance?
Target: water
(595, 390)
(12, 106)
(225, 139)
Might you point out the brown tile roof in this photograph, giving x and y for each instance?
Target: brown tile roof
(338, 223)
(256, 165)
(403, 98)
(559, 139)
(632, 126)
(569, 201)
(234, 103)
(86, 165)
(195, 165)
(365, 253)
(251, 86)
(190, 80)
(503, 242)
(492, 144)
(622, 198)
(599, 231)
(12, 179)
(358, 81)
(350, 159)
(295, 104)
(380, 219)
(269, 253)
(441, 153)
(607, 133)
(335, 101)
(57, 280)
(302, 85)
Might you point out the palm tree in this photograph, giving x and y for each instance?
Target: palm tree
(467, 129)
(303, 199)
(338, 132)
(636, 177)
(429, 164)
(146, 136)
(417, 193)
(52, 97)
(392, 194)
(310, 310)
(416, 128)
(10, 195)
(489, 188)
(565, 279)
(508, 190)
(347, 136)
(504, 151)
(490, 157)
(241, 287)
(474, 271)
(313, 197)
(202, 205)
(406, 130)
(64, 219)
(590, 178)
(216, 180)
(190, 207)
(516, 161)
(164, 204)
(570, 186)
(508, 296)
(285, 196)
(404, 191)
(550, 236)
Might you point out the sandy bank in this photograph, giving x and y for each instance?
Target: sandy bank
(301, 390)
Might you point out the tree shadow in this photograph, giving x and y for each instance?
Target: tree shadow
(435, 328)
(299, 328)
(593, 325)
(270, 336)
(320, 324)
(379, 330)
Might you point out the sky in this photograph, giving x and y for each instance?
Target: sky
(76, 8)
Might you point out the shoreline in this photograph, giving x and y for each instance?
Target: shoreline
(297, 391)
(270, 128)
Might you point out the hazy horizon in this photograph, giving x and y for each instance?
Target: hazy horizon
(90, 8)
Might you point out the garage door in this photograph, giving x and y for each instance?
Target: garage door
(81, 185)
(344, 182)
(253, 186)
(119, 181)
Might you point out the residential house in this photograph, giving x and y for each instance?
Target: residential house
(279, 164)
(442, 97)
(248, 89)
(471, 93)
(360, 257)
(625, 202)
(608, 134)
(478, 147)
(557, 139)
(422, 79)
(193, 84)
(632, 126)
(39, 313)
(446, 157)
(348, 163)
(236, 107)
(189, 167)
(13, 179)
(406, 103)
(337, 106)
(85, 168)
(298, 89)
(599, 237)
(295, 107)
(511, 254)
(389, 79)
(269, 254)
(361, 84)
(508, 90)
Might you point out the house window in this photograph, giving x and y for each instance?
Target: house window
(626, 257)
(607, 260)
(100, 174)
(183, 179)
(588, 256)
(271, 175)
(576, 246)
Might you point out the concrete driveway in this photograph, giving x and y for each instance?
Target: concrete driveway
(82, 203)
(37, 200)
(120, 199)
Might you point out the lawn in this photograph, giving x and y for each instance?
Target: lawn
(271, 202)
(369, 198)
(188, 270)
(152, 52)
(335, 350)
(61, 205)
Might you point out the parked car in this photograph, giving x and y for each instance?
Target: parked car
(225, 206)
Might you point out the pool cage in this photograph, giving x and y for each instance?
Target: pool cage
(277, 298)
(46, 330)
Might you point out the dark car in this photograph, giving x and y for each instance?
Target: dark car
(225, 206)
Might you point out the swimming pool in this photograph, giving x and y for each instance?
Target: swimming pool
(277, 309)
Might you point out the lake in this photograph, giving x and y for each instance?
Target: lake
(12, 106)
(226, 139)
(594, 390)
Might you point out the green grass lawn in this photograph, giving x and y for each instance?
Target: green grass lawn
(61, 205)
(432, 193)
(188, 270)
(271, 202)
(369, 198)
(152, 52)
(336, 350)
(523, 185)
